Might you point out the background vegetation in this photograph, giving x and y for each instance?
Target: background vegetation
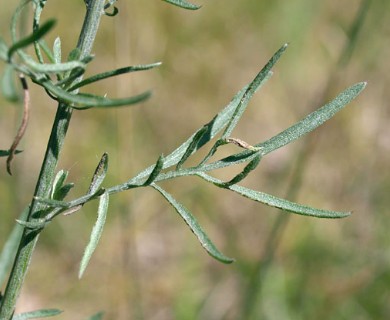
(147, 264)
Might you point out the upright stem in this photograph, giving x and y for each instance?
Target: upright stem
(60, 126)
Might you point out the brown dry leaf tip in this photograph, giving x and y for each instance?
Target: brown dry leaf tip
(242, 144)
(23, 126)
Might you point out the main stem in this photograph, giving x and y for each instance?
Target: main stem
(60, 126)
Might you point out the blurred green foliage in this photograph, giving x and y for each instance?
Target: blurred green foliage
(148, 266)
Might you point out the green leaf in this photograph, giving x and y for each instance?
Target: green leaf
(114, 73)
(313, 120)
(8, 87)
(183, 4)
(83, 101)
(276, 202)
(5, 153)
(244, 173)
(48, 68)
(43, 313)
(99, 174)
(57, 50)
(194, 226)
(156, 170)
(96, 233)
(259, 80)
(35, 36)
(11, 247)
(58, 182)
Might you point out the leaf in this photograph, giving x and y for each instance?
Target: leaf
(43, 313)
(57, 50)
(8, 87)
(83, 101)
(313, 120)
(53, 203)
(99, 174)
(11, 247)
(259, 80)
(156, 171)
(52, 67)
(58, 182)
(113, 73)
(5, 153)
(96, 233)
(35, 36)
(194, 226)
(183, 4)
(277, 202)
(244, 173)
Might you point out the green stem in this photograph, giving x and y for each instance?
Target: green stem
(54, 146)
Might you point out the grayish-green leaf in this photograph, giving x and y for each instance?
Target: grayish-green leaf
(99, 174)
(259, 80)
(58, 182)
(194, 226)
(277, 202)
(52, 67)
(183, 4)
(113, 73)
(57, 50)
(80, 101)
(156, 170)
(313, 120)
(96, 233)
(244, 173)
(43, 313)
(10, 248)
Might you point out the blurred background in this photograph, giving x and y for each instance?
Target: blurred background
(148, 265)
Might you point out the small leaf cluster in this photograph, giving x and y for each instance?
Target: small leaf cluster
(61, 79)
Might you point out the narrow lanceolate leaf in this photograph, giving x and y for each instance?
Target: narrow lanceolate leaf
(83, 101)
(52, 67)
(113, 73)
(99, 174)
(11, 247)
(257, 82)
(313, 120)
(278, 202)
(183, 4)
(35, 36)
(156, 171)
(44, 313)
(194, 226)
(58, 182)
(57, 50)
(96, 233)
(192, 146)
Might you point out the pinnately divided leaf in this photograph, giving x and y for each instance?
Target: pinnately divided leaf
(194, 226)
(96, 233)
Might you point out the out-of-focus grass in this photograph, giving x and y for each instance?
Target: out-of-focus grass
(148, 263)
